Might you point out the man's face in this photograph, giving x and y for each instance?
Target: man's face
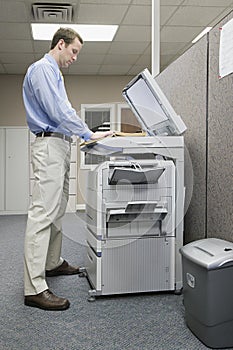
(68, 53)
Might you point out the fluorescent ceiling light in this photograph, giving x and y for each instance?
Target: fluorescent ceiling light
(92, 32)
(206, 30)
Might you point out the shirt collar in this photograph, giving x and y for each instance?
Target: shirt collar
(54, 64)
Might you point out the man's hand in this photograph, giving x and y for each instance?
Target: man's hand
(100, 134)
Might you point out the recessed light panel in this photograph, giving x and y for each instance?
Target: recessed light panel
(92, 32)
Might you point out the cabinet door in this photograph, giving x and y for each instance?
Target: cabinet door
(17, 170)
(2, 169)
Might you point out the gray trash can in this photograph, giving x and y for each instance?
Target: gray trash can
(208, 290)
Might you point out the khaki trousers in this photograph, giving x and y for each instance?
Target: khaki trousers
(43, 237)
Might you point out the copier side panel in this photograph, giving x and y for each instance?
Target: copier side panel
(131, 265)
(140, 265)
(93, 264)
(94, 203)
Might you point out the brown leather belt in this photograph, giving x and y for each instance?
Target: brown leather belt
(54, 134)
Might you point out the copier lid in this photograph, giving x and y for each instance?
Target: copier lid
(151, 107)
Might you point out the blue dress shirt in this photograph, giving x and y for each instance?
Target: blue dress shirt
(46, 103)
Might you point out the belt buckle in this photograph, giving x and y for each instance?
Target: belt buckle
(40, 134)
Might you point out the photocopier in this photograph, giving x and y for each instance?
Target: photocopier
(135, 200)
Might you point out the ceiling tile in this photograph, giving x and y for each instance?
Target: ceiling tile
(101, 14)
(166, 12)
(41, 46)
(136, 69)
(170, 2)
(89, 59)
(18, 31)
(83, 69)
(210, 3)
(167, 59)
(16, 46)
(120, 59)
(198, 16)
(219, 17)
(19, 58)
(138, 15)
(112, 2)
(144, 60)
(18, 68)
(114, 69)
(171, 48)
(133, 33)
(2, 70)
(129, 48)
(174, 34)
(38, 56)
(148, 50)
(13, 11)
(97, 48)
(141, 2)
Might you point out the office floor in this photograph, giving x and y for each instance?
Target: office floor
(151, 321)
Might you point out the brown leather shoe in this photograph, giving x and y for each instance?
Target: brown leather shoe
(63, 269)
(46, 300)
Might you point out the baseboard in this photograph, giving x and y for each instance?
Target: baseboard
(80, 207)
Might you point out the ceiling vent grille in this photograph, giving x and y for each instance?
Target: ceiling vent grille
(52, 13)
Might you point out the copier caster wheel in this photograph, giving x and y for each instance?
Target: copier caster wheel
(91, 299)
(92, 294)
(178, 291)
(83, 272)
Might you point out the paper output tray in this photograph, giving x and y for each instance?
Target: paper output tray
(140, 211)
(135, 176)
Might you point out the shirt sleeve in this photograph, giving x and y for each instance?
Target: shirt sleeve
(51, 96)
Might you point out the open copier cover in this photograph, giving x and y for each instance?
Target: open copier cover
(153, 112)
(134, 203)
(151, 107)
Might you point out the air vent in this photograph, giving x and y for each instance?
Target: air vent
(52, 13)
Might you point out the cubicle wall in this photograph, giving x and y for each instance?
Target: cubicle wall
(205, 103)
(220, 144)
(184, 83)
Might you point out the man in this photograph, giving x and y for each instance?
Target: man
(52, 119)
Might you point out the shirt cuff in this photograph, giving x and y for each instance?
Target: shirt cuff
(87, 135)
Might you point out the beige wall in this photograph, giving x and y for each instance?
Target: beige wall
(12, 109)
(80, 90)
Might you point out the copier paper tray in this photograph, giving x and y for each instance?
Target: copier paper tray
(135, 176)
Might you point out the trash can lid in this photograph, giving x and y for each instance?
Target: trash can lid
(211, 253)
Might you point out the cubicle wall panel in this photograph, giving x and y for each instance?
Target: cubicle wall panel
(184, 83)
(220, 144)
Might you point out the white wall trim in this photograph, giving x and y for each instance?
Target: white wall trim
(80, 207)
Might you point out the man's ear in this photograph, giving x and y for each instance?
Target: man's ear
(60, 44)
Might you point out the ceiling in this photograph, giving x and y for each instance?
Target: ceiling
(129, 53)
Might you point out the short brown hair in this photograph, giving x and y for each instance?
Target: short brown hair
(67, 34)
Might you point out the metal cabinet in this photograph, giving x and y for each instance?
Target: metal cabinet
(14, 170)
